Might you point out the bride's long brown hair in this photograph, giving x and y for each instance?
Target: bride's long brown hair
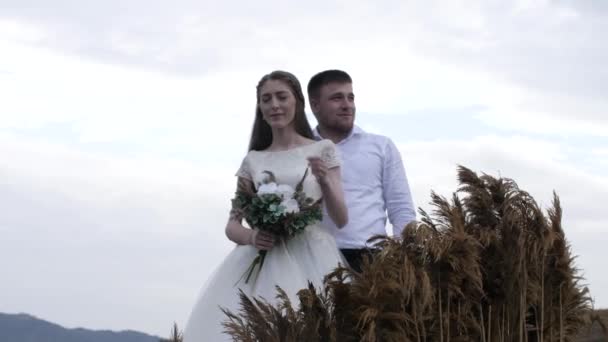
(261, 134)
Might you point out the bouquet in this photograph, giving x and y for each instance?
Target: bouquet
(278, 209)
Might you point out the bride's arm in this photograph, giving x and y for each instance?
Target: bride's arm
(242, 235)
(331, 186)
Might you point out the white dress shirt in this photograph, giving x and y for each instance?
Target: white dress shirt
(375, 185)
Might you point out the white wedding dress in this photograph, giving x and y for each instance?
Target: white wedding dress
(308, 256)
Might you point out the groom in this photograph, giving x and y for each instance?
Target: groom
(373, 176)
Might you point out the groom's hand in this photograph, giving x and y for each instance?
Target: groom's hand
(318, 169)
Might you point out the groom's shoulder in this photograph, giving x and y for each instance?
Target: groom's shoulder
(375, 138)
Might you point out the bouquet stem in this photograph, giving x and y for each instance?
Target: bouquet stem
(259, 260)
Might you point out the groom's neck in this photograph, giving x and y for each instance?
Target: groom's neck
(332, 134)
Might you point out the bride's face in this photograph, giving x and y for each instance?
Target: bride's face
(277, 103)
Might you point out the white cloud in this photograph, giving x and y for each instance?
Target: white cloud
(538, 59)
(547, 49)
(98, 241)
(538, 166)
(113, 104)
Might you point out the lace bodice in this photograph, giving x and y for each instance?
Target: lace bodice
(289, 166)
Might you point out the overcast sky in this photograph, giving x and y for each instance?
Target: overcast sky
(122, 124)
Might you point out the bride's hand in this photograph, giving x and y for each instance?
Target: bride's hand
(318, 169)
(261, 240)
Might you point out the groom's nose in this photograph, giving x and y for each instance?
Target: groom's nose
(347, 104)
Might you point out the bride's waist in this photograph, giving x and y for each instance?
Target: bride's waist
(316, 231)
(311, 231)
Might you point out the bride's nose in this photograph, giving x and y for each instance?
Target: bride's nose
(274, 105)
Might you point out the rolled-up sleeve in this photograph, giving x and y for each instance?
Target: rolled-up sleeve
(396, 190)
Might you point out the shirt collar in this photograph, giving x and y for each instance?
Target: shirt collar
(355, 131)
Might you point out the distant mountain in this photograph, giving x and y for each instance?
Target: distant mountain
(26, 328)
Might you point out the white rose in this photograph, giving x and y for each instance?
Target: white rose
(267, 177)
(291, 206)
(285, 191)
(268, 188)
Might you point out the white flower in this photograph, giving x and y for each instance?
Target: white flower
(291, 206)
(285, 191)
(267, 177)
(268, 188)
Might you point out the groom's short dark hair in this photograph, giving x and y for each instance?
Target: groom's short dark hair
(326, 77)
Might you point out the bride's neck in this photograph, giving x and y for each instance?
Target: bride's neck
(285, 138)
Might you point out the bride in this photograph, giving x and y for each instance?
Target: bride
(281, 142)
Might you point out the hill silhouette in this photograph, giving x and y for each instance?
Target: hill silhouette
(27, 328)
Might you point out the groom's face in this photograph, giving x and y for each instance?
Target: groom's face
(335, 107)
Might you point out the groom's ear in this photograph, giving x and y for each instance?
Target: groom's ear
(314, 105)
